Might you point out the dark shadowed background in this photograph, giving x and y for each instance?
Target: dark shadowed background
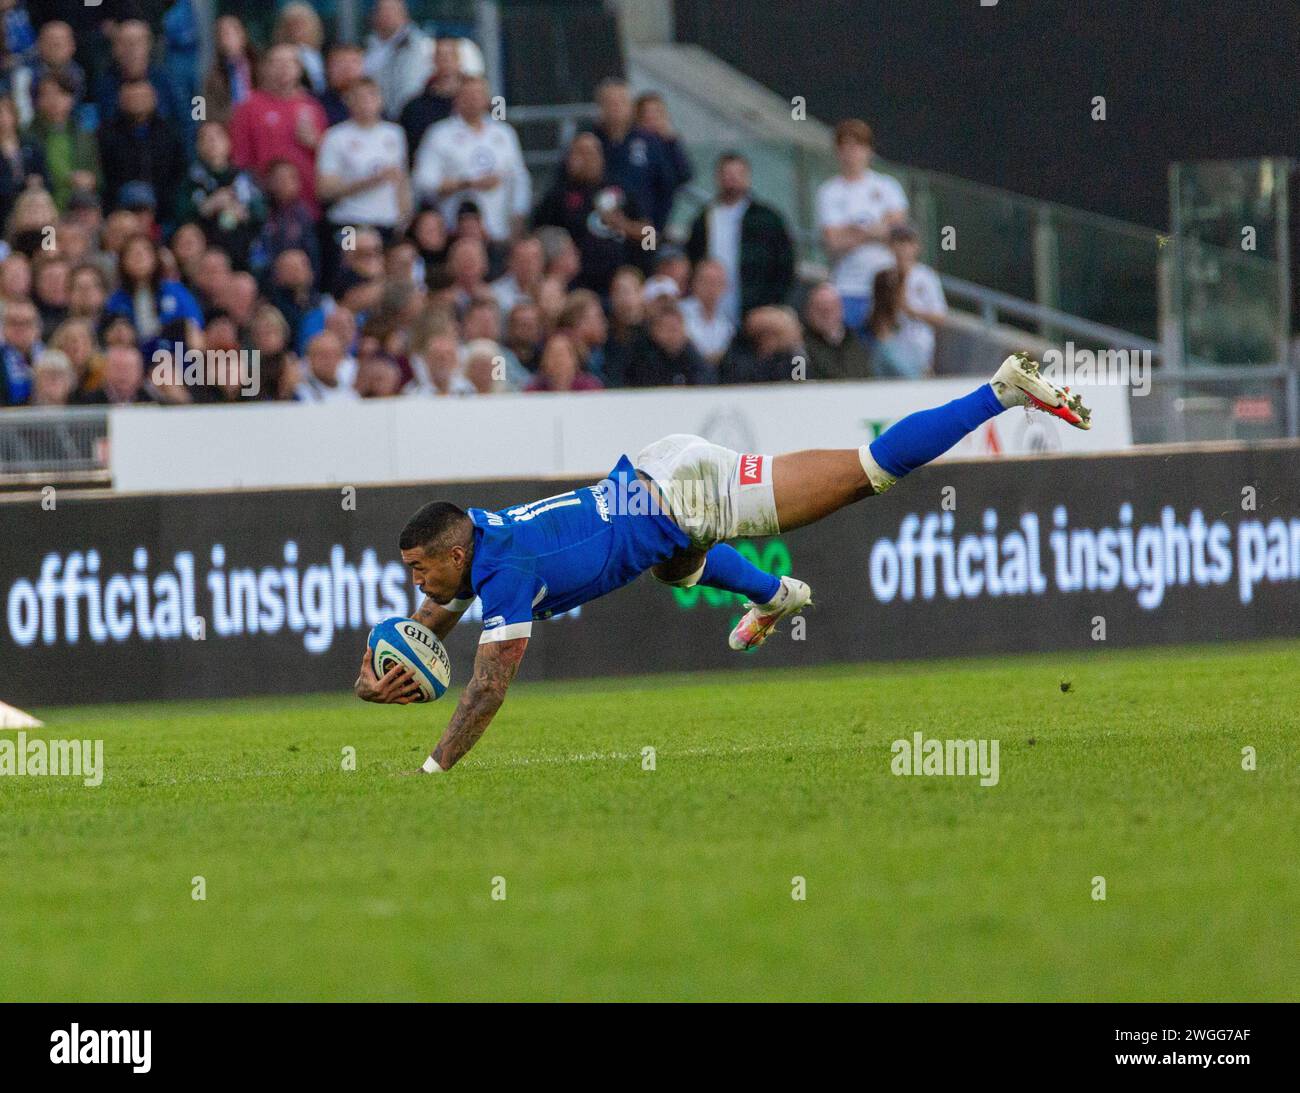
(1003, 94)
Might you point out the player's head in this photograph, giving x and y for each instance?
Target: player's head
(437, 546)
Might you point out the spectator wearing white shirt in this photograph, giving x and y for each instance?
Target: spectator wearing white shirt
(707, 325)
(472, 156)
(437, 367)
(399, 56)
(924, 307)
(330, 373)
(361, 166)
(855, 212)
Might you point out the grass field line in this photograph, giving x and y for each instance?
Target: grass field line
(711, 752)
(523, 761)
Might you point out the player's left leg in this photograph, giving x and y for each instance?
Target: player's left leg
(809, 485)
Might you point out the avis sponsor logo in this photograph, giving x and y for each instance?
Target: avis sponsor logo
(123, 1046)
(751, 470)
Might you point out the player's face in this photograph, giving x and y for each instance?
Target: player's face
(438, 576)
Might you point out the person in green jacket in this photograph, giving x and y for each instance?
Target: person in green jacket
(71, 155)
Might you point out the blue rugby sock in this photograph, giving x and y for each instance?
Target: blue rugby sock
(927, 434)
(725, 567)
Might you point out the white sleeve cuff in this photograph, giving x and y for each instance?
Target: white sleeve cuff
(506, 633)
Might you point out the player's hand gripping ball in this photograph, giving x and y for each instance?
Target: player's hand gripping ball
(413, 646)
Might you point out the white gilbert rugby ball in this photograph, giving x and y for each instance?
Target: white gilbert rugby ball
(413, 646)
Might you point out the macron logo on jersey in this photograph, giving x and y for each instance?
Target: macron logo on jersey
(751, 470)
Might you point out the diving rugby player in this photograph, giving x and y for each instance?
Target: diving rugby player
(669, 512)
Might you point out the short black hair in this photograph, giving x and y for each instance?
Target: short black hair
(431, 527)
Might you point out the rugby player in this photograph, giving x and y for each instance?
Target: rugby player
(669, 511)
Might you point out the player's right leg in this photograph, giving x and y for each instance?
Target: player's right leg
(769, 598)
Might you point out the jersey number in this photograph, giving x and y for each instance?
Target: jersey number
(521, 513)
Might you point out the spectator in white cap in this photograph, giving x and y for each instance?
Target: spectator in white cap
(660, 286)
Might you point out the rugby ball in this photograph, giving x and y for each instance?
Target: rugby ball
(415, 647)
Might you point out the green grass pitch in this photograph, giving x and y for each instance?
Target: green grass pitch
(676, 883)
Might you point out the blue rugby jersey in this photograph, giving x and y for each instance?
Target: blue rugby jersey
(535, 560)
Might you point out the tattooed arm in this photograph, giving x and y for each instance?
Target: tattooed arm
(494, 668)
(442, 620)
(399, 686)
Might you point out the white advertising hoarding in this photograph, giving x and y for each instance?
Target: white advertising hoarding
(419, 439)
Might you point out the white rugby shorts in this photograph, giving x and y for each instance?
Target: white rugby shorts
(711, 492)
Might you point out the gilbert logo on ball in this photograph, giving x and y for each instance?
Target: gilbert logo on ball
(413, 646)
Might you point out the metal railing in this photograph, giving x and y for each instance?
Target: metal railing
(991, 305)
(67, 443)
(564, 119)
(1194, 399)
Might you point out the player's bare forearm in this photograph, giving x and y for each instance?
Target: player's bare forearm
(494, 669)
(437, 618)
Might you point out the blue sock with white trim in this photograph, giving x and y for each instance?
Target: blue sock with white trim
(725, 567)
(927, 434)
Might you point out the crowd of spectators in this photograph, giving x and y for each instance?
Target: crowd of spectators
(362, 217)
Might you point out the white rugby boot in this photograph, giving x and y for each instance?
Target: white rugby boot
(760, 619)
(1017, 382)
